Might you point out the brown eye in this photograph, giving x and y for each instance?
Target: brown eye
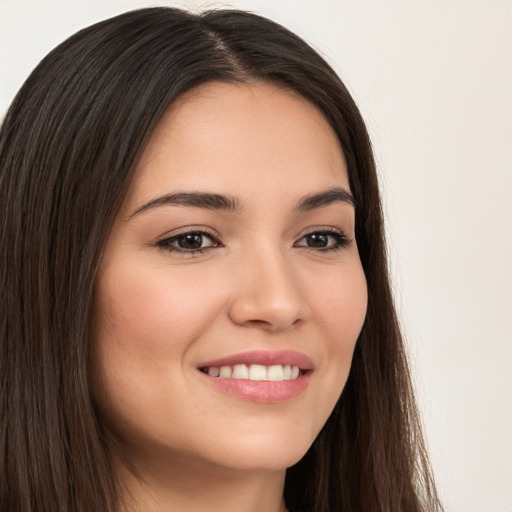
(193, 241)
(190, 241)
(323, 240)
(317, 240)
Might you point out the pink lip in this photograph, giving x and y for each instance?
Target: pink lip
(262, 391)
(263, 357)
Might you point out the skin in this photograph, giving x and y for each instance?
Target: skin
(257, 284)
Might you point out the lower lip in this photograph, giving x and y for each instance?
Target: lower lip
(263, 391)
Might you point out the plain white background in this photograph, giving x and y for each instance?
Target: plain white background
(433, 79)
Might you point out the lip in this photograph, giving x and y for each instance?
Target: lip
(265, 358)
(265, 392)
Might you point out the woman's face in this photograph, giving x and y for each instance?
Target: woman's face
(233, 254)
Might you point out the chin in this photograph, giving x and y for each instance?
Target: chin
(261, 460)
(269, 450)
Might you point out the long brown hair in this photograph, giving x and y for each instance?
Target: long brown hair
(68, 148)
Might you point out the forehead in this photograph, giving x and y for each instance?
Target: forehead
(239, 137)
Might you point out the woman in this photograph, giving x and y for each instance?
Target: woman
(197, 314)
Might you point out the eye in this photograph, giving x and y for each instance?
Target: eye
(326, 240)
(189, 242)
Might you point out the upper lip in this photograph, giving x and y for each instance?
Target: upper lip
(263, 357)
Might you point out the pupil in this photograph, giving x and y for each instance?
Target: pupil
(317, 240)
(191, 241)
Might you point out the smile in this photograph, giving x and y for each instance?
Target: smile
(255, 372)
(260, 376)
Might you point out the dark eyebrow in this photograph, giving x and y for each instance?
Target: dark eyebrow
(232, 204)
(196, 199)
(333, 195)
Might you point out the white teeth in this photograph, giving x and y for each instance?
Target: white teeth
(275, 372)
(240, 371)
(225, 372)
(213, 371)
(255, 372)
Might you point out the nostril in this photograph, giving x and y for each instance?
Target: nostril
(276, 324)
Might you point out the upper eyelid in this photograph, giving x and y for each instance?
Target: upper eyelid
(323, 229)
(203, 230)
(329, 232)
(213, 234)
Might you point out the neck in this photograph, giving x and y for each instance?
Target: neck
(199, 488)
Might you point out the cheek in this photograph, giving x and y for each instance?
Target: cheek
(145, 325)
(152, 314)
(146, 321)
(340, 303)
(340, 309)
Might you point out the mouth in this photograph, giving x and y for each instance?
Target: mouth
(261, 376)
(255, 372)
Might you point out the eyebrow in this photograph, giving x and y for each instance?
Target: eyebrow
(221, 202)
(331, 196)
(204, 200)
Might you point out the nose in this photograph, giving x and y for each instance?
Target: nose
(267, 293)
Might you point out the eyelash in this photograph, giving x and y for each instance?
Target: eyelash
(339, 237)
(166, 243)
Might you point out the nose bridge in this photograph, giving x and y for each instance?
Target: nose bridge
(267, 291)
